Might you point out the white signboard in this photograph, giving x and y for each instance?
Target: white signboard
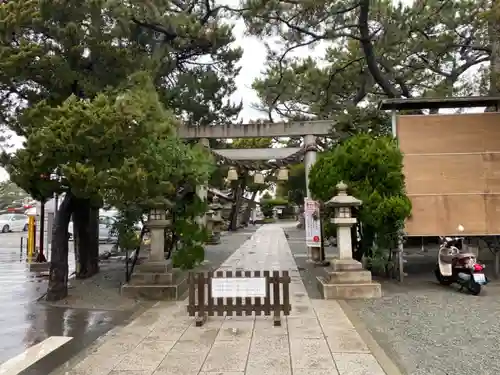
(313, 226)
(239, 287)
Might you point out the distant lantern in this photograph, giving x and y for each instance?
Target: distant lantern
(283, 174)
(258, 178)
(232, 174)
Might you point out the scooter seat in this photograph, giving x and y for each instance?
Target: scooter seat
(445, 258)
(465, 255)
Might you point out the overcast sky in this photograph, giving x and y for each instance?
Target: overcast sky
(252, 64)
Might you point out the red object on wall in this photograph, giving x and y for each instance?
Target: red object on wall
(316, 239)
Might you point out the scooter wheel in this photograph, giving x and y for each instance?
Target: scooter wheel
(443, 280)
(474, 288)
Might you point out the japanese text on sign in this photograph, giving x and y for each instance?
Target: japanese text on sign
(239, 287)
(312, 223)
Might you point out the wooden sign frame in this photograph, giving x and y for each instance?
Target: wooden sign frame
(276, 300)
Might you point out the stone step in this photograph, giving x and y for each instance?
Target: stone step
(155, 292)
(349, 291)
(338, 265)
(350, 277)
(150, 278)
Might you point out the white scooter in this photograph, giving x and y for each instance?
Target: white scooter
(455, 266)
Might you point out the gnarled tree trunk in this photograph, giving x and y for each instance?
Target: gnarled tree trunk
(86, 223)
(58, 278)
(93, 251)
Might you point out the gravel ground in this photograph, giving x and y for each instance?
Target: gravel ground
(431, 329)
(424, 327)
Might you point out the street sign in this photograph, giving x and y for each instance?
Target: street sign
(312, 223)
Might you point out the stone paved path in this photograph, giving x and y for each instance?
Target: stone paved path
(316, 339)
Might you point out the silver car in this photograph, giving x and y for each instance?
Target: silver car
(106, 234)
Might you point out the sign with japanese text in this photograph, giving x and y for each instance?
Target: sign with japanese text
(312, 223)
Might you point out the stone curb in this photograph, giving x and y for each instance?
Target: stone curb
(390, 366)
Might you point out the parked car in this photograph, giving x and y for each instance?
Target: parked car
(105, 229)
(13, 223)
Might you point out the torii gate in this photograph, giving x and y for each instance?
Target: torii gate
(307, 129)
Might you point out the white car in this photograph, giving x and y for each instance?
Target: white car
(13, 223)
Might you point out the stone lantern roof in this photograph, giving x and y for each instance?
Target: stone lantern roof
(342, 199)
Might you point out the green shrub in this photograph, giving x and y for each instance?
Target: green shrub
(372, 167)
(267, 206)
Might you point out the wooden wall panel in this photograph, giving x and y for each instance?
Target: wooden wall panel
(491, 165)
(438, 215)
(492, 204)
(444, 174)
(452, 169)
(423, 217)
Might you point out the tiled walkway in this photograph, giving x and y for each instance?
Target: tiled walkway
(316, 339)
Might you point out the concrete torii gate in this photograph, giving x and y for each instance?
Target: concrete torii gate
(307, 129)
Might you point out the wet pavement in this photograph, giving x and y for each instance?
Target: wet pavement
(316, 338)
(26, 322)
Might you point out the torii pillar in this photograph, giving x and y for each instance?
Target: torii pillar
(307, 129)
(309, 160)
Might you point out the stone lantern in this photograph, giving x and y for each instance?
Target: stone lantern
(154, 279)
(343, 219)
(214, 222)
(157, 223)
(346, 277)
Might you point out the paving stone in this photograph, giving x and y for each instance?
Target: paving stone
(310, 353)
(171, 331)
(227, 356)
(147, 356)
(269, 355)
(357, 364)
(233, 329)
(304, 327)
(346, 341)
(165, 341)
(317, 371)
(185, 358)
(95, 364)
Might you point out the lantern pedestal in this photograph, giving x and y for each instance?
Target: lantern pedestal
(154, 279)
(348, 280)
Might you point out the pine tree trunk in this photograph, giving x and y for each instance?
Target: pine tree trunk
(58, 277)
(93, 251)
(86, 223)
